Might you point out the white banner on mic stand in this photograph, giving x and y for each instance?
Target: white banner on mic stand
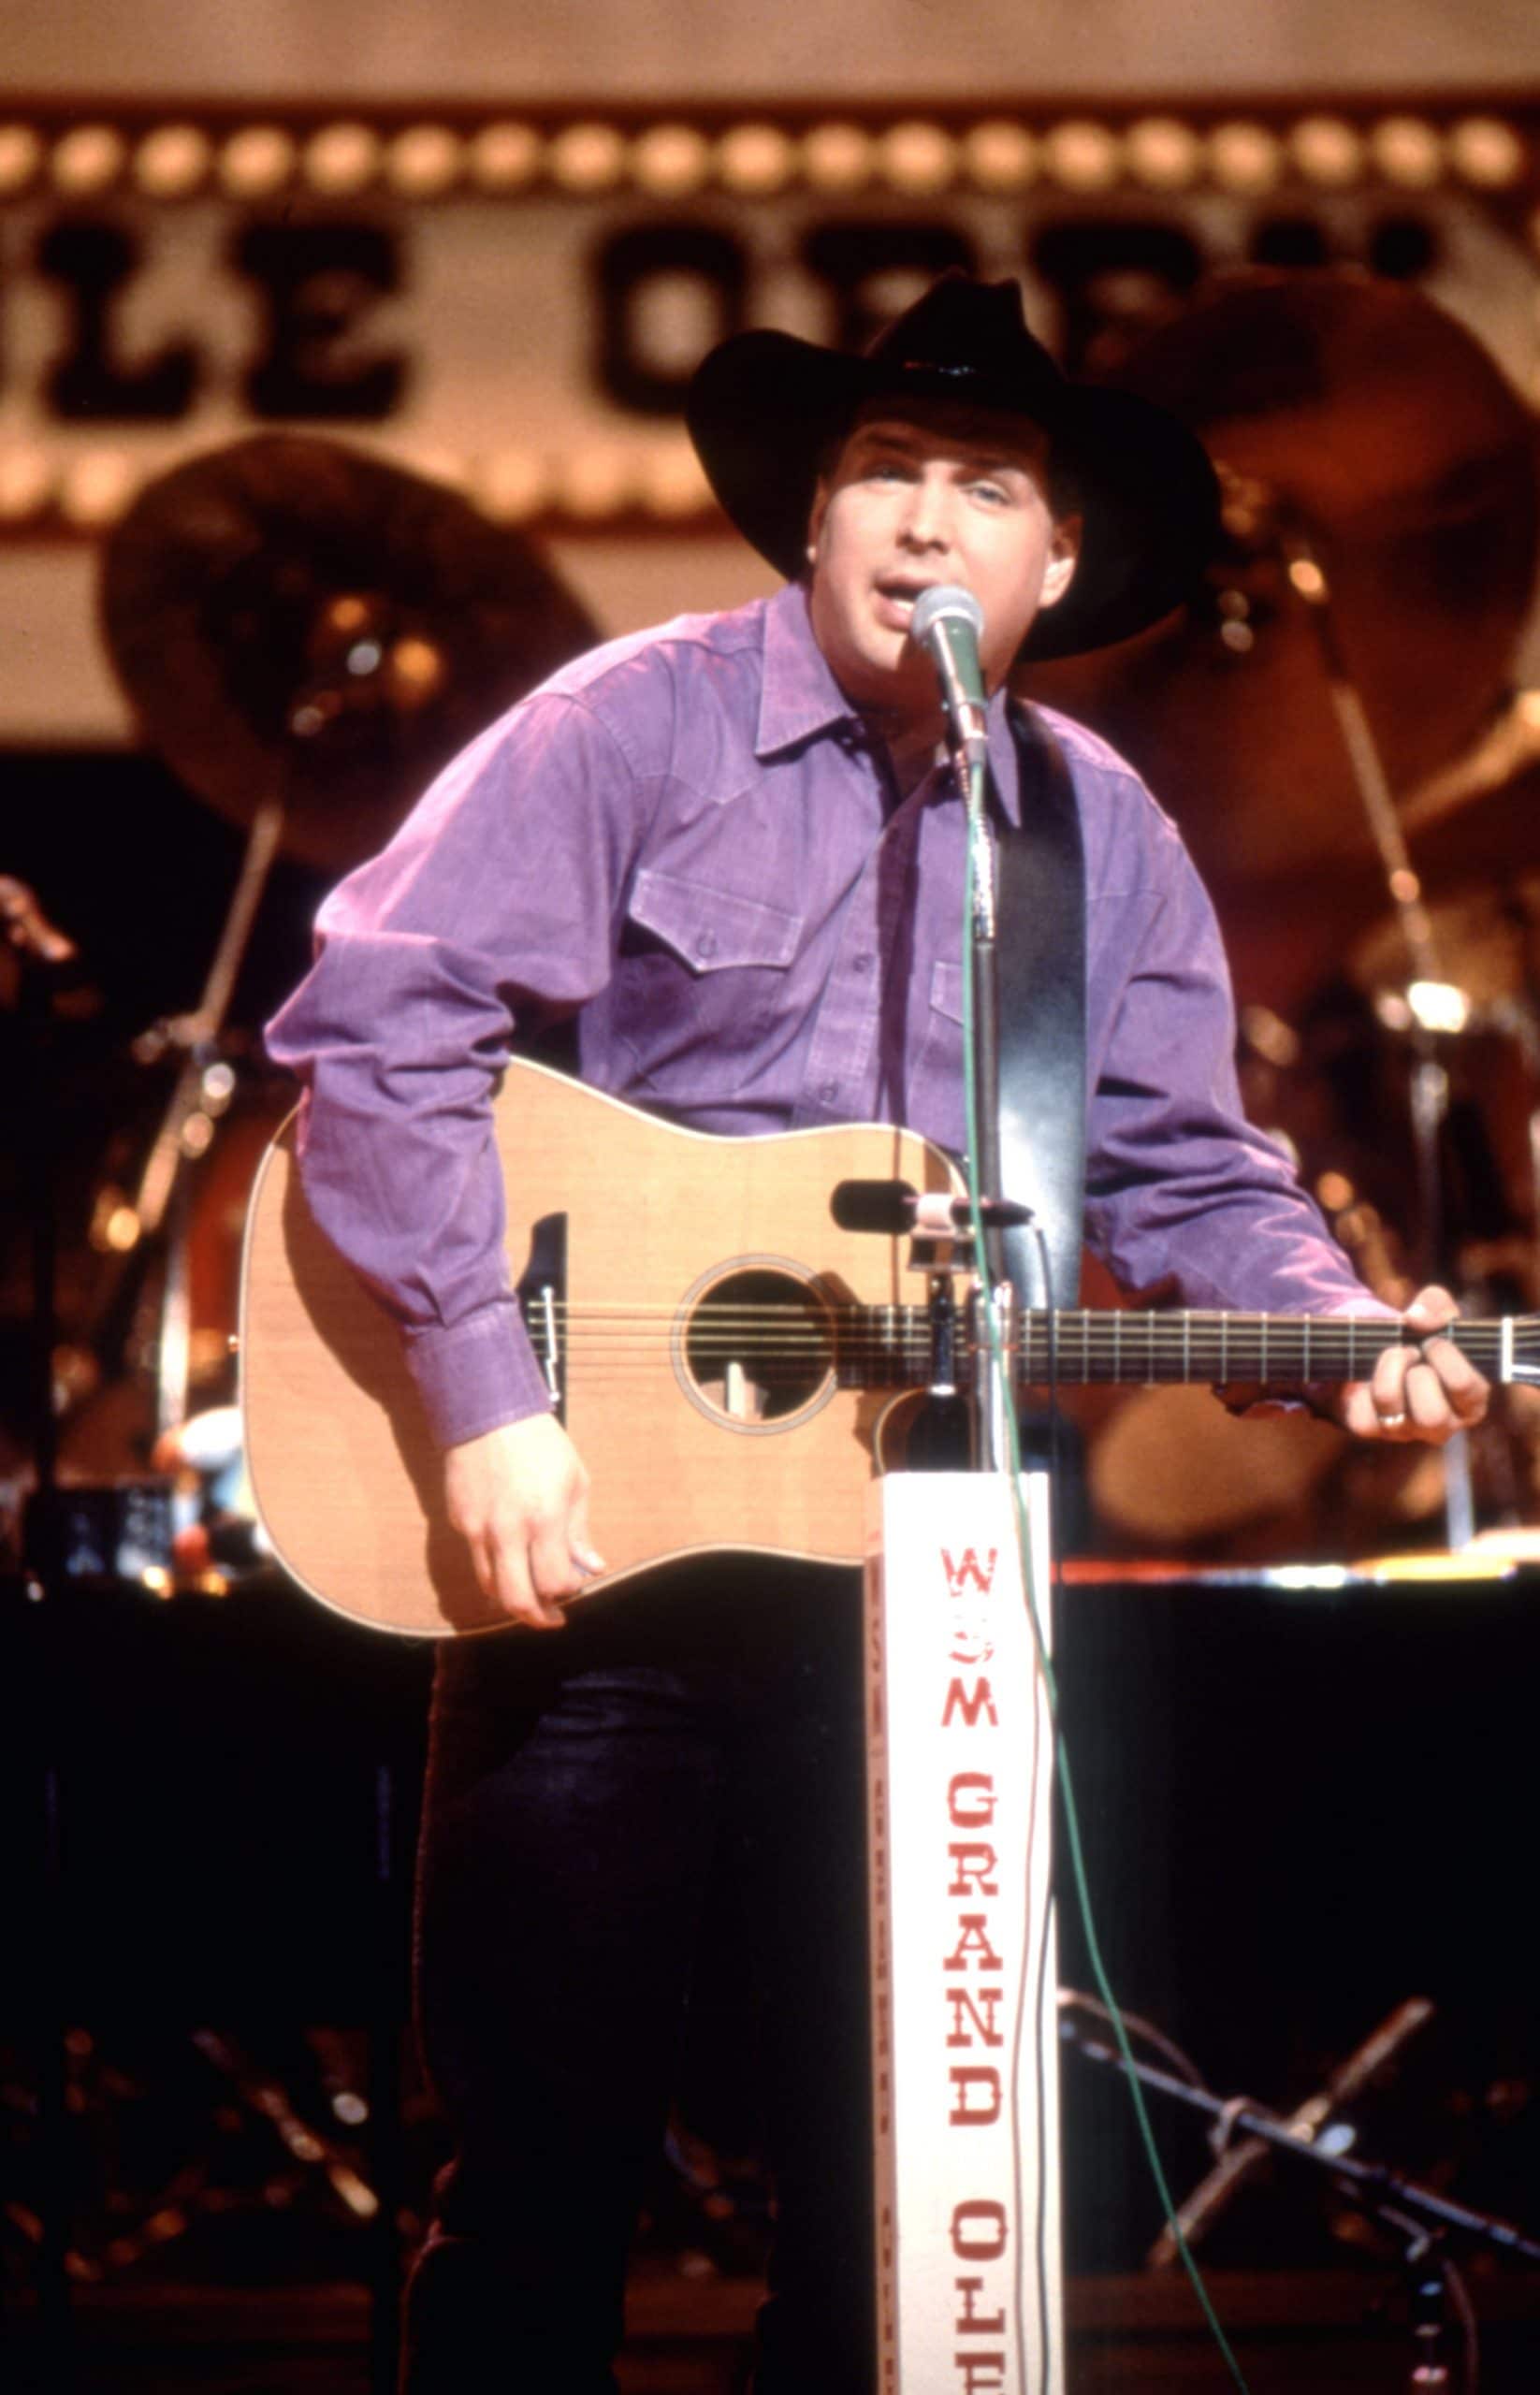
(965, 2008)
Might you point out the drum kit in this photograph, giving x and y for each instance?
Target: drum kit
(1335, 724)
(305, 633)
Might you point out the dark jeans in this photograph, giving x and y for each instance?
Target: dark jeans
(583, 1787)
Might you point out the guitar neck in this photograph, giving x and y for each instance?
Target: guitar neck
(890, 1347)
(1077, 1347)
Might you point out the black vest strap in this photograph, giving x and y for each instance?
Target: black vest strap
(1040, 947)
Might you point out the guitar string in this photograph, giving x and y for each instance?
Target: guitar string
(1131, 1333)
(853, 1332)
(903, 1354)
(1335, 1330)
(1325, 1325)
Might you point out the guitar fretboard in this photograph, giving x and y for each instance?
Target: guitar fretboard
(888, 1346)
(1078, 1345)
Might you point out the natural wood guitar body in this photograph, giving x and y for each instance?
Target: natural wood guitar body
(726, 1351)
(347, 1482)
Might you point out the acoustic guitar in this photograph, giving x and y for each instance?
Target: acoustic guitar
(733, 1359)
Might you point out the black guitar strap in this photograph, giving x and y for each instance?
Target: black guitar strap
(1040, 948)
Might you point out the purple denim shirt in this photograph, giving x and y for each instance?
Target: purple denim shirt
(686, 839)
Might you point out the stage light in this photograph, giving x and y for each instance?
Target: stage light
(918, 158)
(756, 159)
(341, 159)
(87, 159)
(587, 158)
(172, 161)
(95, 489)
(670, 160)
(1244, 157)
(671, 483)
(998, 155)
(1327, 152)
(513, 485)
(1163, 154)
(425, 161)
(21, 156)
(596, 482)
(505, 157)
(1082, 156)
(837, 157)
(1485, 151)
(26, 483)
(1407, 151)
(257, 160)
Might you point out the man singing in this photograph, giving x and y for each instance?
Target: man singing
(729, 854)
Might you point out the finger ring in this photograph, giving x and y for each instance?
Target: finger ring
(1391, 1421)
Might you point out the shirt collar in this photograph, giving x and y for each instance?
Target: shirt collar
(800, 697)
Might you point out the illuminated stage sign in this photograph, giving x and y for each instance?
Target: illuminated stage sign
(518, 305)
(965, 2010)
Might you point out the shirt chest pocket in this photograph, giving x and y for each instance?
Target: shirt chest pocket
(701, 966)
(941, 1048)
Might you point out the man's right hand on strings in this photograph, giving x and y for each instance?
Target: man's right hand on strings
(518, 1496)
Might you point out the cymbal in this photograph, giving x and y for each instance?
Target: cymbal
(291, 618)
(1364, 417)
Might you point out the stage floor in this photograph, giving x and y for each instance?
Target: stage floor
(1336, 2332)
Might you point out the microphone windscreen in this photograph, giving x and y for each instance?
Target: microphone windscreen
(945, 599)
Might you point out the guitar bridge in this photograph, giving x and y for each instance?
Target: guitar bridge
(542, 1294)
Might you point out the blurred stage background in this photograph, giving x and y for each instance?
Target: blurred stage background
(485, 251)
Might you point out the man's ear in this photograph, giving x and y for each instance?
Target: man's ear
(1063, 557)
(815, 516)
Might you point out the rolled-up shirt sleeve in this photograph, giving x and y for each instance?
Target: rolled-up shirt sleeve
(494, 905)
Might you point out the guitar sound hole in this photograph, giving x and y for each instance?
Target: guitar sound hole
(759, 1346)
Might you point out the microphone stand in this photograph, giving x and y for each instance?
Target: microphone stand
(967, 753)
(1418, 2215)
(994, 1296)
(948, 621)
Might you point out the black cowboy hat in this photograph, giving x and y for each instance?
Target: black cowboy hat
(763, 409)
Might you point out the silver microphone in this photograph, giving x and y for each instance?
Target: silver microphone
(948, 621)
